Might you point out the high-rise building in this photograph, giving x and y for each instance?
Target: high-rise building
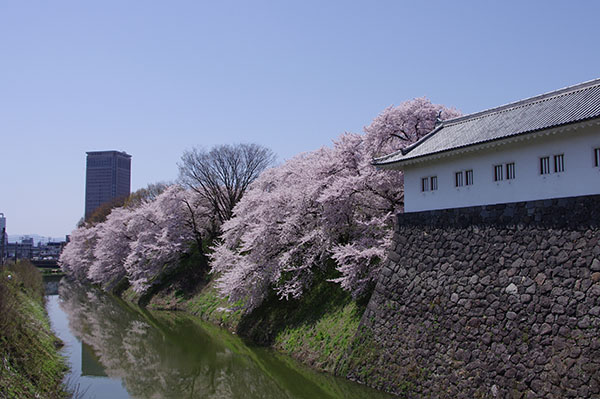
(3, 238)
(107, 177)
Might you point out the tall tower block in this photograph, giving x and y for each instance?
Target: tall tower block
(107, 177)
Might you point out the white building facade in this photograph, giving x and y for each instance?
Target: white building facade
(540, 148)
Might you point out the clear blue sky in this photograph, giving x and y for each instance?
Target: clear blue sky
(154, 78)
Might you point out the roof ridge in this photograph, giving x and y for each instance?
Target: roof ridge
(569, 105)
(412, 146)
(524, 102)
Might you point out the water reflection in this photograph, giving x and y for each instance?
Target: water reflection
(168, 355)
(51, 284)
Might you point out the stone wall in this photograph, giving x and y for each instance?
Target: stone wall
(491, 301)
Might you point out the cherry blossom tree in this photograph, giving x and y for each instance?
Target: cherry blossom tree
(397, 127)
(163, 231)
(275, 239)
(327, 204)
(112, 247)
(139, 242)
(78, 255)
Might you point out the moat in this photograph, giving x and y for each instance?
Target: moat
(118, 350)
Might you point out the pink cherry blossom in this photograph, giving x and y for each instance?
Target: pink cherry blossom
(329, 204)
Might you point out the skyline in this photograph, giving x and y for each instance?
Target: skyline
(154, 80)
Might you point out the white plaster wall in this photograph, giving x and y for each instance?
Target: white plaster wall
(579, 178)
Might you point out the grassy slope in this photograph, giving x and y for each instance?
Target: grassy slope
(30, 364)
(317, 330)
(321, 344)
(210, 306)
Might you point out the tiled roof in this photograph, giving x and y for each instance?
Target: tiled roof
(561, 107)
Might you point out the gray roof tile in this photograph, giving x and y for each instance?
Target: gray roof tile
(561, 107)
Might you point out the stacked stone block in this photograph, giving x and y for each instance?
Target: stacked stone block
(494, 301)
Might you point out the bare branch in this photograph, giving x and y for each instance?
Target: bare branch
(222, 175)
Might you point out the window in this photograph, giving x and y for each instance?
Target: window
(559, 163)
(596, 157)
(469, 177)
(429, 183)
(433, 183)
(510, 171)
(544, 165)
(498, 173)
(458, 179)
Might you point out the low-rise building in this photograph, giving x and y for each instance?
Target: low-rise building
(27, 249)
(542, 147)
(21, 250)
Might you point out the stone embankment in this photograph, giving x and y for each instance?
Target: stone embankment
(492, 301)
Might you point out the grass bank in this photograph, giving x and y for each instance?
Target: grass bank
(30, 366)
(317, 329)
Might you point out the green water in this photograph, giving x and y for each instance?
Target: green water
(117, 350)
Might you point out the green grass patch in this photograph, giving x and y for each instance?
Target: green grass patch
(30, 365)
(130, 295)
(322, 342)
(210, 306)
(317, 329)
